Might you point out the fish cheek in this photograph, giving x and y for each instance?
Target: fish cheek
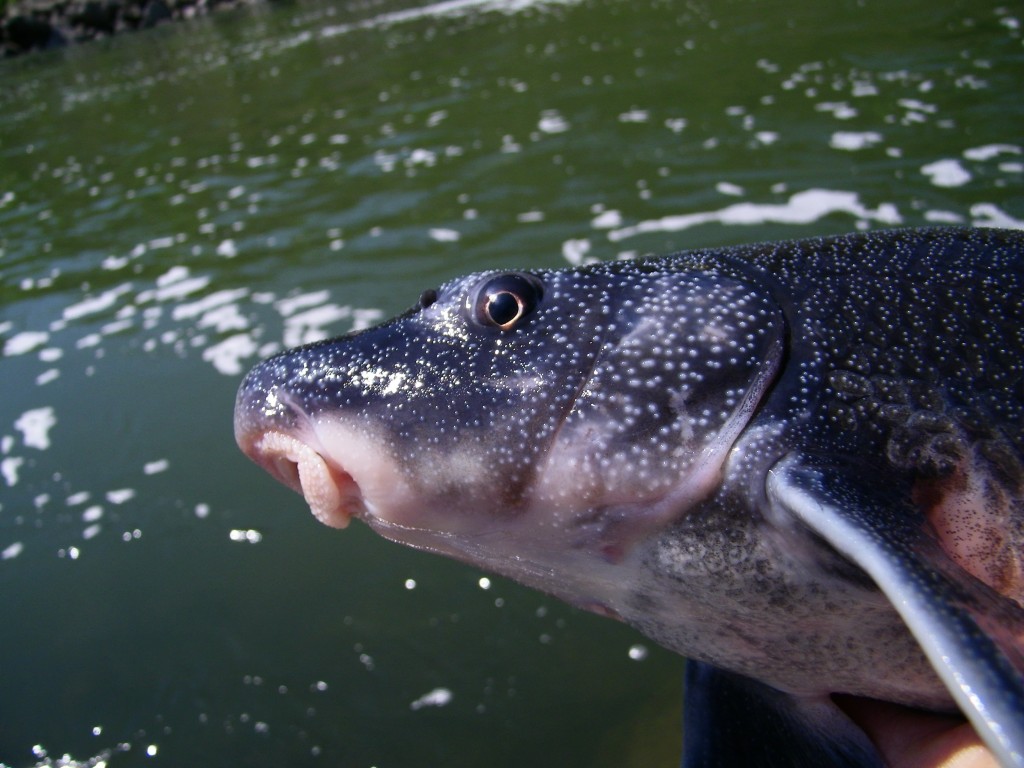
(681, 371)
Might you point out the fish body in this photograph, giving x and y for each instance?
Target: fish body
(797, 464)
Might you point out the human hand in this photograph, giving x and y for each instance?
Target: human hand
(909, 738)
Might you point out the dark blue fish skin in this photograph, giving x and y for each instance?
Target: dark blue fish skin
(436, 378)
(800, 462)
(940, 336)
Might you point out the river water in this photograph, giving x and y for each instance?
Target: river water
(177, 203)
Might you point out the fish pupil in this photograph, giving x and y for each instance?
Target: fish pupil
(504, 308)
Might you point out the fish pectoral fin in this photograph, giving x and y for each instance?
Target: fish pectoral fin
(730, 720)
(969, 632)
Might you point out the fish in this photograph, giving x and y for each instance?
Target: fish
(797, 464)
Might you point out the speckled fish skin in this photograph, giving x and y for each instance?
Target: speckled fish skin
(646, 439)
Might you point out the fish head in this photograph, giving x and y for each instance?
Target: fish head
(536, 424)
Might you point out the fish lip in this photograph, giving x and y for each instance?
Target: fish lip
(333, 495)
(274, 432)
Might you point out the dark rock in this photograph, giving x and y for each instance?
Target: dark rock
(37, 24)
(131, 15)
(28, 32)
(155, 12)
(98, 16)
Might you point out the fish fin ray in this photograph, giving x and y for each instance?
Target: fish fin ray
(964, 628)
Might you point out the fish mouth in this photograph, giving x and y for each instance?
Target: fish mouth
(333, 495)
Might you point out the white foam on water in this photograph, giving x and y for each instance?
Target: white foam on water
(988, 151)
(155, 467)
(446, 8)
(421, 156)
(634, 116)
(9, 467)
(35, 426)
(438, 697)
(175, 274)
(209, 302)
(89, 340)
(92, 514)
(551, 121)
(443, 235)
(991, 215)
(310, 325)
(120, 495)
(95, 304)
(293, 304)
(575, 251)
(109, 329)
(946, 173)
(227, 356)
(173, 285)
(727, 188)
(364, 318)
(607, 220)
(852, 141)
(918, 106)
(178, 289)
(160, 243)
(224, 319)
(840, 110)
(114, 263)
(67, 761)
(220, 312)
(801, 208)
(245, 535)
(638, 652)
(943, 217)
(676, 124)
(25, 341)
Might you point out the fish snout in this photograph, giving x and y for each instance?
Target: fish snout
(276, 435)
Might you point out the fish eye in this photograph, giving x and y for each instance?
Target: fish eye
(502, 302)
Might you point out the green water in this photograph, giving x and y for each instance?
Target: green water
(176, 204)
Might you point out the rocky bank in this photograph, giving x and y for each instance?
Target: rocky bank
(27, 25)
